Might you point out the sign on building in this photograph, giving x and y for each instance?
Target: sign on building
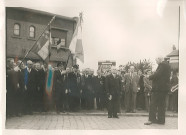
(105, 66)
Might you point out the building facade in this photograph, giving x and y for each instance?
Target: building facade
(23, 28)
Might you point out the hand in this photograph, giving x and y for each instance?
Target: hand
(66, 91)
(16, 69)
(25, 87)
(64, 72)
(81, 91)
(18, 85)
(110, 97)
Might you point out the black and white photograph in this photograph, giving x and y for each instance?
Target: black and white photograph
(108, 65)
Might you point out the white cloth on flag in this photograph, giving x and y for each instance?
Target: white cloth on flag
(44, 51)
(42, 46)
(76, 46)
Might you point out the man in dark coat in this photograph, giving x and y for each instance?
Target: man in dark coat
(40, 78)
(10, 88)
(160, 87)
(74, 87)
(99, 90)
(113, 89)
(19, 87)
(59, 87)
(29, 75)
(89, 90)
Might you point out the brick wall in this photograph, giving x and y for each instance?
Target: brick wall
(18, 46)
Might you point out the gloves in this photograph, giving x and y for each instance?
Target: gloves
(66, 91)
(110, 97)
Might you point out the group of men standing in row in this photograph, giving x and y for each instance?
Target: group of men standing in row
(41, 88)
(69, 90)
(27, 89)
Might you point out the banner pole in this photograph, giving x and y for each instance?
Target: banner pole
(37, 39)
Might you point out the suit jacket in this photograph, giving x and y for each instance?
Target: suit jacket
(161, 78)
(59, 82)
(29, 79)
(147, 84)
(98, 84)
(89, 84)
(14, 82)
(131, 83)
(74, 83)
(113, 85)
(39, 79)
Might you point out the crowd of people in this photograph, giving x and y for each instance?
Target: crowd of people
(39, 88)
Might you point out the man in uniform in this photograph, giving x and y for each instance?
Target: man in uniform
(113, 89)
(160, 87)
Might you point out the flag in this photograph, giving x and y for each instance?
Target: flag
(76, 46)
(42, 46)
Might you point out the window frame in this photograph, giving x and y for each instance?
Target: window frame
(33, 32)
(18, 29)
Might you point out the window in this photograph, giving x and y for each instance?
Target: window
(17, 29)
(58, 37)
(32, 31)
(56, 41)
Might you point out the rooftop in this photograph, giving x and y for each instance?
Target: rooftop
(173, 53)
(43, 13)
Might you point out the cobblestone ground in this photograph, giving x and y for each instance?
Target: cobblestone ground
(84, 122)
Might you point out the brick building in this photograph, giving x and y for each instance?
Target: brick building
(24, 26)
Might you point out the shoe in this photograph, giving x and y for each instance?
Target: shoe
(161, 123)
(127, 111)
(148, 123)
(58, 112)
(109, 116)
(30, 113)
(116, 117)
(133, 111)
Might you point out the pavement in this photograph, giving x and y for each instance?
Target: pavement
(88, 120)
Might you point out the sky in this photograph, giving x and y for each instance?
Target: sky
(120, 30)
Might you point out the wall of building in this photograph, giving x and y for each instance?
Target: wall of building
(17, 46)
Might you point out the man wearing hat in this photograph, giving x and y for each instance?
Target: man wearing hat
(29, 75)
(59, 86)
(160, 87)
(74, 87)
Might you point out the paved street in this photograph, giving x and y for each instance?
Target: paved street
(79, 121)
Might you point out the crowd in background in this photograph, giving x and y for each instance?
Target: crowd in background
(40, 88)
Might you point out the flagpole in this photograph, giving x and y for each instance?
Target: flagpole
(37, 39)
(49, 41)
(68, 58)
